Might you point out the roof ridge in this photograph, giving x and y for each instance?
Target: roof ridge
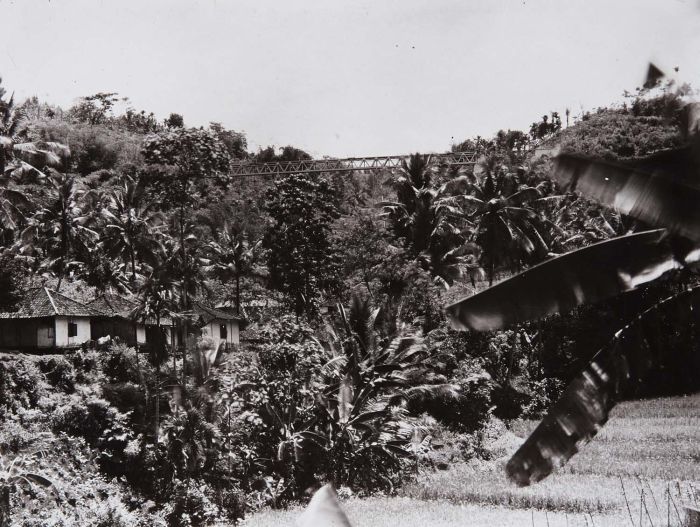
(81, 304)
(53, 304)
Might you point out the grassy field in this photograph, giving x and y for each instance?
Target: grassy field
(649, 448)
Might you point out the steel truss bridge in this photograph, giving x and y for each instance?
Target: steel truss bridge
(350, 164)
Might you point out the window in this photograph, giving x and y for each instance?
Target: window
(223, 333)
(50, 332)
(72, 329)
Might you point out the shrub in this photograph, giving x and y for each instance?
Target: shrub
(190, 505)
(122, 364)
(20, 386)
(86, 365)
(544, 395)
(59, 373)
(88, 420)
(127, 397)
(231, 501)
(468, 412)
(113, 513)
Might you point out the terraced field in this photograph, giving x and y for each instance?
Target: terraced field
(640, 471)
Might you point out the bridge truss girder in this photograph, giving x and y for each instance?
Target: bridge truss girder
(281, 168)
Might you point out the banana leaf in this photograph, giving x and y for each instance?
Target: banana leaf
(660, 190)
(587, 275)
(613, 374)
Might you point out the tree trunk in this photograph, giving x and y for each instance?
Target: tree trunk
(238, 295)
(5, 506)
(185, 299)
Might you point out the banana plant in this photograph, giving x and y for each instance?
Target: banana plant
(14, 474)
(660, 191)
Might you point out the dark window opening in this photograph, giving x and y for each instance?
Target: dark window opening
(49, 332)
(223, 333)
(72, 329)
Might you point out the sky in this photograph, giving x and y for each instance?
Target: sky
(348, 78)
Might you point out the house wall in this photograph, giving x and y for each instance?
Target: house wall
(9, 334)
(62, 339)
(18, 333)
(45, 333)
(141, 333)
(25, 333)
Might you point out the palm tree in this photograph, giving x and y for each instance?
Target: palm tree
(130, 225)
(233, 257)
(506, 226)
(95, 266)
(52, 230)
(19, 158)
(14, 204)
(157, 298)
(427, 219)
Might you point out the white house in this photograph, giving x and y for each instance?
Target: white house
(45, 319)
(218, 325)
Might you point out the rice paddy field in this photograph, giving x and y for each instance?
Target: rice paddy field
(640, 470)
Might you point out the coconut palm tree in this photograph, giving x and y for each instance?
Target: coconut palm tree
(95, 267)
(505, 223)
(52, 230)
(19, 157)
(233, 257)
(428, 220)
(130, 225)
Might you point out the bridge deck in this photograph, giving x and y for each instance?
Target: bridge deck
(242, 169)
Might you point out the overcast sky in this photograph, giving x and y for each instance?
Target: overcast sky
(347, 78)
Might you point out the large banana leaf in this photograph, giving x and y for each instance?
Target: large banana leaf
(614, 372)
(590, 274)
(660, 190)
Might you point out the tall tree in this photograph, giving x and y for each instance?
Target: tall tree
(130, 226)
(233, 257)
(428, 220)
(302, 259)
(51, 232)
(19, 157)
(183, 162)
(506, 226)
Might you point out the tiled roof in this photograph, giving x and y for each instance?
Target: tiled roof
(113, 305)
(119, 306)
(209, 313)
(43, 302)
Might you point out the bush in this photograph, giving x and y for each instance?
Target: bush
(470, 411)
(122, 365)
(190, 506)
(231, 501)
(20, 386)
(59, 373)
(544, 394)
(86, 365)
(88, 420)
(113, 513)
(127, 397)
